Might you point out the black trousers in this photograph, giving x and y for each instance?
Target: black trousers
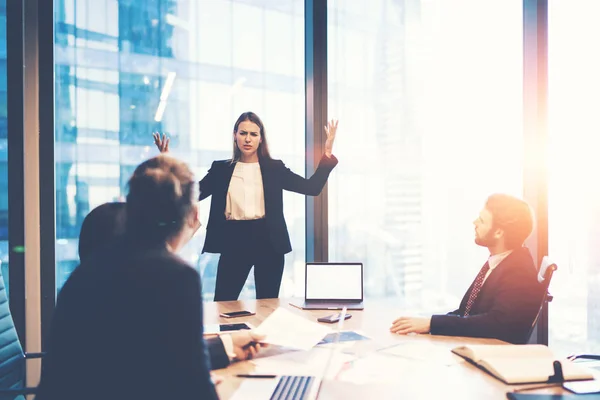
(249, 246)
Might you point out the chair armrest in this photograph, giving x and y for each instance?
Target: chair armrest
(16, 392)
(34, 355)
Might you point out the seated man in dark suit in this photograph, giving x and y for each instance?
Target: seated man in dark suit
(103, 226)
(503, 300)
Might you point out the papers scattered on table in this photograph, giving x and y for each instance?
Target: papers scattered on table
(284, 328)
(255, 389)
(375, 368)
(345, 336)
(311, 362)
(424, 352)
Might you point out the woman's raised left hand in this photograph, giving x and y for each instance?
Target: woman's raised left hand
(330, 130)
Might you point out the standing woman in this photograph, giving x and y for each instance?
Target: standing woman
(246, 224)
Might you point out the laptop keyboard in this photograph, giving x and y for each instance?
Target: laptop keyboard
(292, 387)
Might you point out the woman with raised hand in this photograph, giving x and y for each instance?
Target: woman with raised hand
(128, 321)
(246, 223)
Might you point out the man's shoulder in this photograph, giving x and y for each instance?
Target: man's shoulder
(521, 262)
(164, 263)
(522, 256)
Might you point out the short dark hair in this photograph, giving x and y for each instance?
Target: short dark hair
(161, 196)
(263, 147)
(513, 216)
(100, 227)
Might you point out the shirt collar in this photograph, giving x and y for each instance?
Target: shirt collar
(496, 259)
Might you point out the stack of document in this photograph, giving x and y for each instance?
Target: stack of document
(284, 328)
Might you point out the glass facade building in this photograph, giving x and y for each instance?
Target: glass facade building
(188, 68)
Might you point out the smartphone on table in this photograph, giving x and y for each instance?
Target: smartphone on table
(330, 319)
(236, 314)
(216, 329)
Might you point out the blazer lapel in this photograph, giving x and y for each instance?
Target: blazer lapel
(227, 173)
(265, 172)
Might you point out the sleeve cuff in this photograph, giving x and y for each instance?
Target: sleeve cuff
(330, 161)
(228, 345)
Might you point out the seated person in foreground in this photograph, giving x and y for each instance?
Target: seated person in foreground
(128, 321)
(103, 226)
(503, 300)
(100, 228)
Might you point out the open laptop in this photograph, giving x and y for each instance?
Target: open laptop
(290, 387)
(332, 286)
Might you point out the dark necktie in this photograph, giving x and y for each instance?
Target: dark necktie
(476, 287)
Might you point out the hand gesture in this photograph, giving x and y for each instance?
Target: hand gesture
(404, 325)
(330, 130)
(246, 344)
(161, 143)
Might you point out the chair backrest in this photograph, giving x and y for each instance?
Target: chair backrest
(12, 358)
(545, 273)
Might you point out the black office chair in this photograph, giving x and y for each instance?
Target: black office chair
(544, 278)
(12, 357)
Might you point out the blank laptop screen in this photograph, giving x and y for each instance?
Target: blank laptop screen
(333, 281)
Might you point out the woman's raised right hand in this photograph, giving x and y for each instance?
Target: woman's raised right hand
(161, 143)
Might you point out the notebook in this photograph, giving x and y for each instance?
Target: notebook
(515, 364)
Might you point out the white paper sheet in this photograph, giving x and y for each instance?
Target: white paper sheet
(284, 328)
(311, 363)
(424, 352)
(375, 368)
(255, 389)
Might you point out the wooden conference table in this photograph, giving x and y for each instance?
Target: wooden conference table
(416, 378)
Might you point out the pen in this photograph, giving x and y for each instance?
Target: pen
(256, 376)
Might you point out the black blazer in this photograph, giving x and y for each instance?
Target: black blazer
(505, 307)
(128, 325)
(276, 178)
(216, 351)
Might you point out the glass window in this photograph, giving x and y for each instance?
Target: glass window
(215, 53)
(3, 149)
(573, 165)
(429, 98)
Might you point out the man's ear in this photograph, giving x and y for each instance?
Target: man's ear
(499, 233)
(194, 220)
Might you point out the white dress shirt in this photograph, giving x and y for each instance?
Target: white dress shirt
(494, 261)
(245, 196)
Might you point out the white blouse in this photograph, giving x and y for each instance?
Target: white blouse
(245, 196)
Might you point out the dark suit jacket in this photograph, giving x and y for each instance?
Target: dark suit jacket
(128, 325)
(505, 307)
(216, 351)
(276, 178)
